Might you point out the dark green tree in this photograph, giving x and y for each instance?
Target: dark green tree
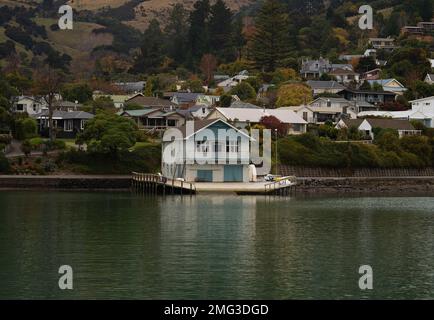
(198, 34)
(176, 32)
(270, 45)
(220, 31)
(152, 53)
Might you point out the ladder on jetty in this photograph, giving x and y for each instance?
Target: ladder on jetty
(282, 187)
(156, 184)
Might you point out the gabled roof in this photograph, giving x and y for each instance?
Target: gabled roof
(199, 125)
(430, 76)
(243, 105)
(384, 82)
(353, 122)
(185, 97)
(341, 71)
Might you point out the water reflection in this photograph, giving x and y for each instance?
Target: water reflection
(223, 247)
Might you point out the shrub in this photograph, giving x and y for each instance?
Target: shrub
(4, 163)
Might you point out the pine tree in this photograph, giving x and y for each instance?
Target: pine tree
(270, 45)
(176, 31)
(152, 53)
(198, 33)
(220, 31)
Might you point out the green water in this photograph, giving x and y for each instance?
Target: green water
(224, 247)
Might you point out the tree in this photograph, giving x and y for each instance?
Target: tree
(225, 101)
(272, 123)
(198, 33)
(151, 52)
(47, 83)
(80, 92)
(108, 133)
(208, 65)
(244, 91)
(365, 64)
(220, 30)
(176, 31)
(270, 43)
(293, 94)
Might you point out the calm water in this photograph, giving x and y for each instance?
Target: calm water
(223, 247)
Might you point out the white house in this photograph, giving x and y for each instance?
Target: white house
(244, 117)
(228, 84)
(206, 151)
(421, 110)
(404, 127)
(29, 104)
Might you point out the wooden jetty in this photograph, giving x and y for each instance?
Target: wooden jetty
(156, 184)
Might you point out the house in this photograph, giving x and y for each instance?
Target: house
(245, 117)
(350, 57)
(429, 78)
(367, 126)
(390, 85)
(325, 109)
(319, 87)
(154, 119)
(228, 84)
(152, 102)
(422, 28)
(373, 97)
(28, 104)
(373, 74)
(67, 124)
(424, 104)
(131, 87)
(118, 100)
(186, 100)
(422, 110)
(210, 150)
(314, 69)
(345, 76)
(67, 106)
(382, 43)
(198, 111)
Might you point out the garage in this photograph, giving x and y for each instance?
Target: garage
(204, 176)
(233, 173)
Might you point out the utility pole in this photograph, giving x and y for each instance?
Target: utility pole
(277, 171)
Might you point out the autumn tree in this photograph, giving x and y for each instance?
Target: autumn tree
(270, 45)
(208, 65)
(274, 124)
(293, 94)
(47, 83)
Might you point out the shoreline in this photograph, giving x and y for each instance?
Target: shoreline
(305, 185)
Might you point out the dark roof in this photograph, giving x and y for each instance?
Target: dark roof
(65, 115)
(186, 97)
(353, 122)
(325, 85)
(391, 124)
(369, 92)
(66, 104)
(150, 101)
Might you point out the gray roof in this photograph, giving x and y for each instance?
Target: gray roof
(243, 105)
(186, 97)
(131, 86)
(64, 115)
(325, 85)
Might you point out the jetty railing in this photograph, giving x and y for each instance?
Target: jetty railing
(282, 186)
(158, 184)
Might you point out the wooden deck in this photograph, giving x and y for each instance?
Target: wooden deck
(155, 184)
